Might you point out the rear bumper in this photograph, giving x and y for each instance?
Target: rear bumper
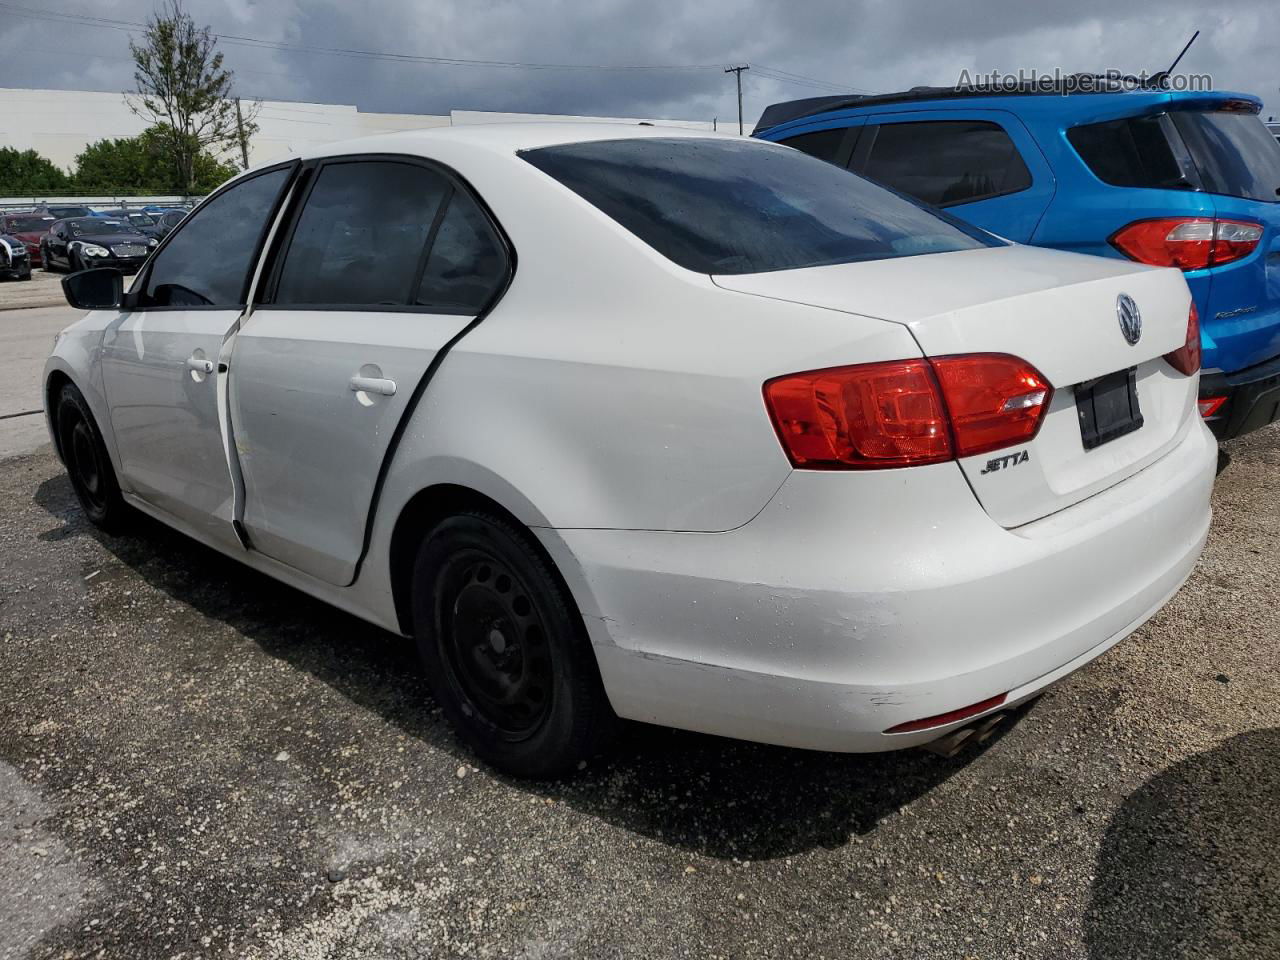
(1252, 399)
(852, 604)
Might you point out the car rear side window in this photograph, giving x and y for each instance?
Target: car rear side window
(362, 234)
(945, 162)
(1135, 152)
(824, 144)
(721, 206)
(466, 265)
(1233, 151)
(207, 262)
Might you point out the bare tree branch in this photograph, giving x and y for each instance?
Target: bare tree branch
(181, 85)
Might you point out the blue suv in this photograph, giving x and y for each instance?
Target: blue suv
(1178, 179)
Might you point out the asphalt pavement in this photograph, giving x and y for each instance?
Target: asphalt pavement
(198, 762)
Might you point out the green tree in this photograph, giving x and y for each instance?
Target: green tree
(183, 88)
(125, 165)
(25, 172)
(144, 164)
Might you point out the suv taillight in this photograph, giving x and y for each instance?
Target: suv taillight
(906, 412)
(1188, 243)
(1186, 359)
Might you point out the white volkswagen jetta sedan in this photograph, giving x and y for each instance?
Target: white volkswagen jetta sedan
(621, 421)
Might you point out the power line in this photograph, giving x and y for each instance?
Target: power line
(131, 25)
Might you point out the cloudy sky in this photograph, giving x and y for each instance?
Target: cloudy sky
(667, 58)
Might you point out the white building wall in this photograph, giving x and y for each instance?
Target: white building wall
(59, 124)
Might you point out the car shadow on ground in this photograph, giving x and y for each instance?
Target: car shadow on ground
(1190, 865)
(716, 797)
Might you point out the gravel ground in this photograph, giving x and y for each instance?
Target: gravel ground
(42, 290)
(197, 762)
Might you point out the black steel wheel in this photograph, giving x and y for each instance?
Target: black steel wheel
(87, 462)
(505, 650)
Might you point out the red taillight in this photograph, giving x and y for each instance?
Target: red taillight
(906, 412)
(1188, 243)
(871, 415)
(994, 400)
(1186, 359)
(942, 719)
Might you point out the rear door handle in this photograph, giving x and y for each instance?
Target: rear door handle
(200, 365)
(378, 385)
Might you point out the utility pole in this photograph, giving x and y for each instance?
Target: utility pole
(737, 71)
(244, 143)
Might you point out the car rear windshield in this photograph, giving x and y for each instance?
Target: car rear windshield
(96, 226)
(732, 207)
(1224, 152)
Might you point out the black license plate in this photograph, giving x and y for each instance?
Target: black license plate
(1108, 407)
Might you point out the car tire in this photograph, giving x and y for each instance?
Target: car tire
(74, 263)
(506, 652)
(46, 260)
(88, 464)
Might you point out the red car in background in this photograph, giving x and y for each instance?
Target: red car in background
(29, 227)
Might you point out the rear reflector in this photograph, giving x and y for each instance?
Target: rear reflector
(942, 719)
(906, 412)
(1210, 405)
(1186, 359)
(1188, 243)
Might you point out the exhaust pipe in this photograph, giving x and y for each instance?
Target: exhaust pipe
(957, 740)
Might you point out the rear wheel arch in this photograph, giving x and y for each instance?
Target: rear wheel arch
(419, 516)
(52, 392)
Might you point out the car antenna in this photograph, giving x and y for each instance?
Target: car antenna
(1161, 79)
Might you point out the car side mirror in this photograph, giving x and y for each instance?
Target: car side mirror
(99, 289)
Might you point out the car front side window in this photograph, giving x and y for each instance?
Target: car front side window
(360, 239)
(207, 263)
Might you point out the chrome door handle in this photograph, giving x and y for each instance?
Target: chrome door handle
(200, 365)
(378, 385)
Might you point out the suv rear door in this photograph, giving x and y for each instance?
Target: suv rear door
(979, 165)
(1193, 158)
(1239, 165)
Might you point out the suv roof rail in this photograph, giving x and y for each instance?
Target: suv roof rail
(1072, 84)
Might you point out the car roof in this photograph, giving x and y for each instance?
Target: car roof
(501, 137)
(1026, 98)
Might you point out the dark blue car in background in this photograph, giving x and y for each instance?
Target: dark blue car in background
(1179, 179)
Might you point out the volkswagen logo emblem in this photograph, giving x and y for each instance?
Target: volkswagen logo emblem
(1130, 318)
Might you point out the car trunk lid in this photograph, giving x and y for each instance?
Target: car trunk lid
(1057, 311)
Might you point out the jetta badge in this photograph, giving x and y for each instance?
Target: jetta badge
(1130, 318)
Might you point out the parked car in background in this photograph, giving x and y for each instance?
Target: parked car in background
(141, 221)
(15, 262)
(686, 428)
(1186, 180)
(30, 228)
(83, 243)
(166, 220)
(62, 211)
(1274, 129)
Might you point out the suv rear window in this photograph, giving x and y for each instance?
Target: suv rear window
(1222, 152)
(742, 206)
(1135, 152)
(1234, 152)
(946, 162)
